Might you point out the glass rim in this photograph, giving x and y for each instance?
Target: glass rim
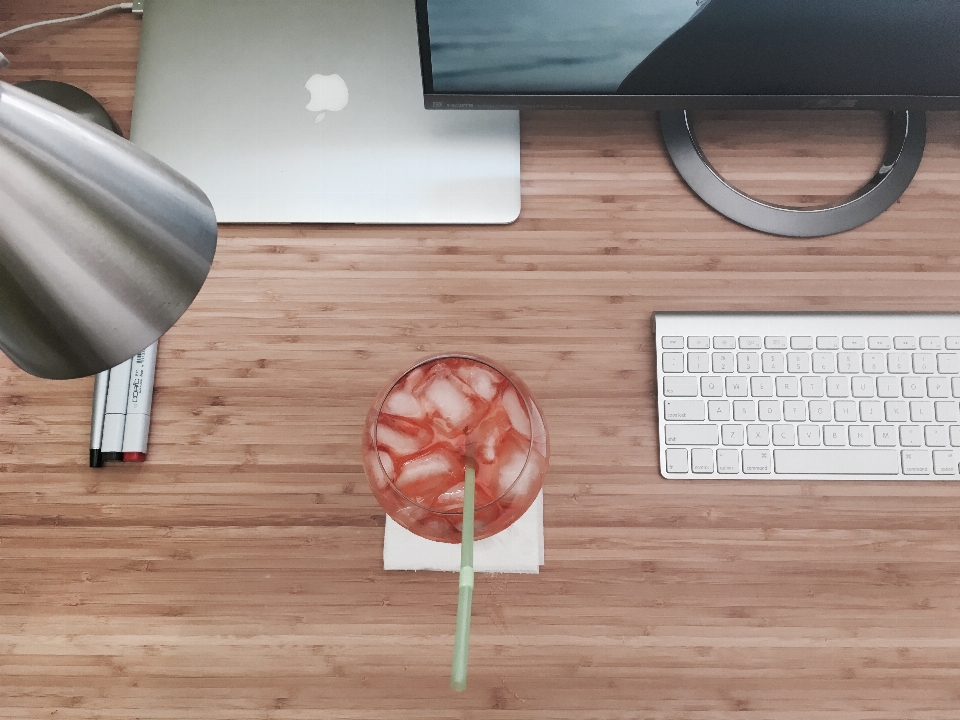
(506, 375)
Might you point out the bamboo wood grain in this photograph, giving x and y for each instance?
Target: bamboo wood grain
(237, 574)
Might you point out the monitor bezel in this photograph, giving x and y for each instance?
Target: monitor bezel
(434, 100)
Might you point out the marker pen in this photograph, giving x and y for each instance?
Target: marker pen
(139, 402)
(118, 388)
(96, 417)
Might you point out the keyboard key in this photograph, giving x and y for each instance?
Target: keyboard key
(758, 435)
(698, 362)
(794, 410)
(671, 342)
(935, 436)
(798, 362)
(761, 386)
(888, 387)
(768, 410)
(913, 387)
(863, 386)
(910, 436)
(724, 342)
(756, 462)
(834, 435)
(784, 434)
(873, 363)
(838, 386)
(823, 362)
(750, 342)
(938, 387)
(948, 363)
(744, 410)
(772, 363)
(944, 462)
(779, 342)
(953, 342)
(931, 342)
(728, 462)
(878, 342)
(811, 386)
(675, 434)
(828, 342)
(885, 435)
(672, 362)
(946, 411)
(732, 434)
(860, 435)
(683, 410)
(921, 411)
(955, 435)
(698, 342)
(748, 362)
(680, 386)
(853, 342)
(677, 460)
(701, 460)
(801, 342)
(711, 386)
(845, 410)
(820, 411)
(904, 342)
(848, 362)
(898, 363)
(719, 410)
(895, 411)
(851, 461)
(924, 363)
(871, 411)
(736, 386)
(723, 362)
(808, 435)
(790, 386)
(916, 462)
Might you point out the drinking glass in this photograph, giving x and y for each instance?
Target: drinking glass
(424, 425)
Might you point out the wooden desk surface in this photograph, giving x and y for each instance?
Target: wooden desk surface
(237, 574)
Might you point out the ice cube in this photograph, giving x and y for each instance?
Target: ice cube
(516, 412)
(426, 476)
(450, 500)
(452, 400)
(402, 437)
(510, 466)
(404, 404)
(484, 381)
(386, 462)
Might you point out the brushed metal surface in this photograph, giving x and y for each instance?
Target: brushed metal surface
(102, 247)
(906, 140)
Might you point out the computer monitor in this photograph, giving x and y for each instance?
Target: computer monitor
(674, 56)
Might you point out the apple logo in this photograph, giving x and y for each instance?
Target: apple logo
(327, 92)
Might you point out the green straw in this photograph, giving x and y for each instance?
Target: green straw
(461, 640)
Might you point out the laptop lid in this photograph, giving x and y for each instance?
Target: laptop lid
(287, 111)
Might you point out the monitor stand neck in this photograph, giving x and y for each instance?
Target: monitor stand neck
(908, 132)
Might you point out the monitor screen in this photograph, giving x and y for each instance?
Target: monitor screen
(658, 54)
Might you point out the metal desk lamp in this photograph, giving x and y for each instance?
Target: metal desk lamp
(102, 247)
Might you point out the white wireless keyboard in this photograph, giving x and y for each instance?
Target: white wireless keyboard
(809, 395)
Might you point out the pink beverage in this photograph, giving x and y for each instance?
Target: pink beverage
(415, 445)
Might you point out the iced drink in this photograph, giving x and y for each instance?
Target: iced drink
(415, 442)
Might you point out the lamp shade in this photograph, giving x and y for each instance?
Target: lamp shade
(102, 246)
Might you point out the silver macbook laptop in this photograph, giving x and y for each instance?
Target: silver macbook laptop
(287, 111)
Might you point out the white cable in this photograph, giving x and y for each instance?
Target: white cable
(120, 6)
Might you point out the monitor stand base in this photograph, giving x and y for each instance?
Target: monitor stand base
(908, 132)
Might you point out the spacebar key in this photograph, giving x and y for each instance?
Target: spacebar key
(836, 462)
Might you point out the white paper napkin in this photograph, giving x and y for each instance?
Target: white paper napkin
(518, 549)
